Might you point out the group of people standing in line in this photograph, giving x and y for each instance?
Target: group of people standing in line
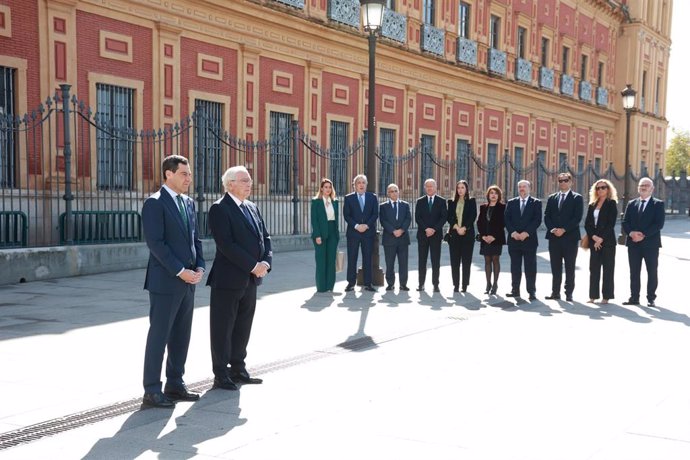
(513, 223)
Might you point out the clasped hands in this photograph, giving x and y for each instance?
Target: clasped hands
(488, 239)
(429, 232)
(460, 230)
(191, 276)
(361, 228)
(559, 232)
(398, 232)
(598, 242)
(636, 236)
(260, 270)
(521, 236)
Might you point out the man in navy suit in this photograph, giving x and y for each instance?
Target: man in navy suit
(430, 214)
(395, 219)
(642, 222)
(360, 210)
(522, 218)
(243, 258)
(176, 265)
(562, 219)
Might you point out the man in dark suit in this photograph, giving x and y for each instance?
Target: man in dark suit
(562, 219)
(395, 219)
(243, 258)
(176, 265)
(522, 218)
(430, 215)
(642, 222)
(360, 210)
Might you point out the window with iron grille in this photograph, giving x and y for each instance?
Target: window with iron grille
(517, 164)
(462, 156)
(491, 157)
(494, 27)
(562, 162)
(600, 75)
(8, 150)
(521, 38)
(544, 52)
(541, 164)
(208, 150)
(566, 58)
(387, 153)
(464, 20)
(427, 164)
(338, 149)
(115, 136)
(428, 12)
(279, 152)
(597, 165)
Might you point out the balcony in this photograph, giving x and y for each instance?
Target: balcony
(294, 3)
(394, 26)
(567, 85)
(433, 39)
(585, 91)
(523, 71)
(345, 12)
(497, 61)
(467, 51)
(602, 96)
(546, 78)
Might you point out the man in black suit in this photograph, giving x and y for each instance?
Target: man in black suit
(642, 222)
(562, 219)
(360, 210)
(395, 219)
(243, 258)
(430, 215)
(522, 218)
(176, 265)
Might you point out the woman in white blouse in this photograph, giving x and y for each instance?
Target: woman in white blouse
(325, 234)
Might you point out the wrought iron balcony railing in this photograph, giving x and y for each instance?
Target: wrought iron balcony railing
(523, 71)
(294, 3)
(546, 78)
(567, 85)
(497, 61)
(394, 26)
(602, 96)
(467, 51)
(433, 39)
(345, 12)
(585, 91)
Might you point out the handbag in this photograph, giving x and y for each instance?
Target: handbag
(584, 242)
(339, 261)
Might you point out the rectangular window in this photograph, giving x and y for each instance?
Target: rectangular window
(387, 154)
(579, 177)
(517, 165)
(208, 150)
(544, 52)
(494, 28)
(114, 145)
(427, 169)
(280, 143)
(600, 75)
(656, 96)
(462, 159)
(464, 20)
(583, 67)
(428, 12)
(390, 4)
(597, 165)
(491, 160)
(8, 149)
(562, 162)
(338, 154)
(521, 37)
(541, 172)
(643, 91)
(566, 59)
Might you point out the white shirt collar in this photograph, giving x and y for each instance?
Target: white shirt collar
(172, 193)
(235, 199)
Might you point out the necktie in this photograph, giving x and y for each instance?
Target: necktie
(522, 206)
(183, 210)
(431, 203)
(642, 206)
(361, 202)
(248, 216)
(395, 209)
(560, 200)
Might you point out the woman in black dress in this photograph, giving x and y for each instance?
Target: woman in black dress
(600, 224)
(462, 212)
(492, 234)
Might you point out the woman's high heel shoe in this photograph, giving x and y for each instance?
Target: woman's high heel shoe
(488, 288)
(494, 288)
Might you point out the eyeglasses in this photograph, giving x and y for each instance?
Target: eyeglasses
(563, 180)
(602, 187)
(244, 181)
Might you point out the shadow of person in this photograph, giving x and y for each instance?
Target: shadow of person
(536, 306)
(612, 309)
(436, 301)
(667, 315)
(467, 300)
(577, 308)
(318, 301)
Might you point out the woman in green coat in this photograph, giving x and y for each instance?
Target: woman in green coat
(325, 234)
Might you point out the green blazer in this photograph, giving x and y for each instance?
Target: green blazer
(319, 220)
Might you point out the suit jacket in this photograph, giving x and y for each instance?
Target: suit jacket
(529, 222)
(497, 226)
(650, 222)
(172, 244)
(568, 217)
(239, 244)
(319, 219)
(436, 218)
(605, 227)
(469, 216)
(390, 223)
(354, 215)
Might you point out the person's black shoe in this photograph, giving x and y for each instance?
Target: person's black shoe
(631, 302)
(243, 377)
(420, 288)
(157, 399)
(404, 288)
(180, 393)
(513, 294)
(553, 297)
(349, 287)
(568, 298)
(464, 289)
(532, 296)
(390, 287)
(651, 304)
(494, 288)
(224, 383)
(436, 289)
(456, 289)
(369, 288)
(488, 288)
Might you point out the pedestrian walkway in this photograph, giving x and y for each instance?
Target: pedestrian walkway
(385, 375)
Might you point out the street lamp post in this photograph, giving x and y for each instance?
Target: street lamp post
(629, 105)
(372, 18)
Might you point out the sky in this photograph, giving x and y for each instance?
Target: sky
(678, 92)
